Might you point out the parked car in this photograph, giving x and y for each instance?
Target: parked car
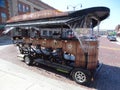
(111, 37)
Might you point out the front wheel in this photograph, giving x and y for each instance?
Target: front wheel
(28, 60)
(81, 76)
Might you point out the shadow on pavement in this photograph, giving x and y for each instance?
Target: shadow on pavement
(52, 70)
(108, 78)
(5, 40)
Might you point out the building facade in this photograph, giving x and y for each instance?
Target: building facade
(4, 13)
(10, 8)
(18, 7)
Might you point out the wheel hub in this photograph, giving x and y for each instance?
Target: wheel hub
(27, 61)
(80, 76)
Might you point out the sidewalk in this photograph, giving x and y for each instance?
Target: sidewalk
(13, 77)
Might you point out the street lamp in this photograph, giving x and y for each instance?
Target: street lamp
(74, 7)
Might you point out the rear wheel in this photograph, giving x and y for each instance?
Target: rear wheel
(28, 60)
(81, 76)
(21, 51)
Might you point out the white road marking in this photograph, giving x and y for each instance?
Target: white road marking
(118, 43)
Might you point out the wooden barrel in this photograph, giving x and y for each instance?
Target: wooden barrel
(93, 48)
(55, 43)
(26, 40)
(70, 46)
(91, 61)
(80, 58)
(73, 47)
(93, 55)
(44, 42)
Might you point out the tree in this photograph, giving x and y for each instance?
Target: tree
(117, 28)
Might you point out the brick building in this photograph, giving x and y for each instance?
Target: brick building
(4, 13)
(17, 7)
(10, 8)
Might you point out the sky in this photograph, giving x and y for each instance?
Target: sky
(114, 5)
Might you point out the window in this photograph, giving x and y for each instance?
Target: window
(44, 33)
(35, 9)
(2, 3)
(50, 33)
(3, 17)
(20, 7)
(27, 8)
(23, 8)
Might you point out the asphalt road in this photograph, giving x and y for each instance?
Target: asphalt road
(108, 78)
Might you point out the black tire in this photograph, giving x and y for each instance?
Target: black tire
(81, 76)
(21, 51)
(28, 60)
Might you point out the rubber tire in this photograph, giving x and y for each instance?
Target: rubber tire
(86, 76)
(28, 60)
(21, 51)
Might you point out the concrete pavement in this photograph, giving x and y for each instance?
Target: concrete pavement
(14, 77)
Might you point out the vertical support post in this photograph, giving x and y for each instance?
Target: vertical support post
(86, 59)
(98, 28)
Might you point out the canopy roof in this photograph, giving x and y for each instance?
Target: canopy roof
(49, 18)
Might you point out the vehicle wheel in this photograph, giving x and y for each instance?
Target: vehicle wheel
(81, 76)
(28, 60)
(21, 51)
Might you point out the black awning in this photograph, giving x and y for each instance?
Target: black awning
(40, 23)
(101, 12)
